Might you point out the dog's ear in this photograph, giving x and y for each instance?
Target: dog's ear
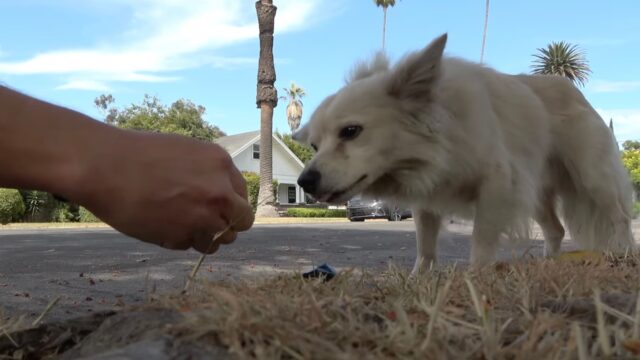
(362, 70)
(301, 135)
(415, 76)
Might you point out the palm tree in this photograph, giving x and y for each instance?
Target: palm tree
(484, 33)
(266, 100)
(294, 108)
(564, 59)
(385, 5)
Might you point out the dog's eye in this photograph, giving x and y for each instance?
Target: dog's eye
(314, 147)
(350, 132)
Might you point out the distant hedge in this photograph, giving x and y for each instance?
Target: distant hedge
(87, 216)
(253, 188)
(327, 213)
(11, 206)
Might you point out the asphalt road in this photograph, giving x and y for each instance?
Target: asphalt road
(96, 269)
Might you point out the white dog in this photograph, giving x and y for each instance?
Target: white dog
(450, 137)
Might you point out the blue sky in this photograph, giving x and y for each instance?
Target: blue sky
(70, 51)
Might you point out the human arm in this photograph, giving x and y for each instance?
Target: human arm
(165, 189)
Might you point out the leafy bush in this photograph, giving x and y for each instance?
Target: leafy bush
(42, 206)
(327, 213)
(11, 206)
(636, 210)
(87, 216)
(253, 188)
(63, 212)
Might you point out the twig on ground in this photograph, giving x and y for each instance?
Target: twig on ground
(46, 311)
(215, 237)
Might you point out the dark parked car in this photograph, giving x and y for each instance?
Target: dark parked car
(359, 209)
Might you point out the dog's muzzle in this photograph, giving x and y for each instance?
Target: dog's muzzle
(309, 180)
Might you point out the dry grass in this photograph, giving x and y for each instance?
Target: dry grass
(540, 309)
(581, 308)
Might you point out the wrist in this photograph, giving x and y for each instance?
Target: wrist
(92, 163)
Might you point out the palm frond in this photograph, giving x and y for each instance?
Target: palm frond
(563, 59)
(385, 3)
(294, 108)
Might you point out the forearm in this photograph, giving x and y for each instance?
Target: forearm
(43, 146)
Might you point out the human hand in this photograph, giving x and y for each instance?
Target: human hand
(169, 190)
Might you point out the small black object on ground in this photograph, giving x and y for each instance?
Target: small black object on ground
(323, 271)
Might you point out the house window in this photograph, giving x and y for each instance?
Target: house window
(256, 151)
(291, 194)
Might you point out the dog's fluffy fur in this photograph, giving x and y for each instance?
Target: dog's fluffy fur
(451, 137)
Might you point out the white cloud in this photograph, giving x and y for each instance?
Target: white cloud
(626, 122)
(165, 36)
(230, 62)
(604, 86)
(84, 85)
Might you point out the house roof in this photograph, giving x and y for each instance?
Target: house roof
(235, 144)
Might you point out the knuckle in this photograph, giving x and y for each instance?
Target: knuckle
(227, 238)
(219, 202)
(231, 237)
(242, 181)
(177, 245)
(225, 160)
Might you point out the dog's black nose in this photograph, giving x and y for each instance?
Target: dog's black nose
(309, 180)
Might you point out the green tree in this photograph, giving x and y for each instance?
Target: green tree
(266, 101)
(303, 152)
(385, 6)
(631, 160)
(103, 103)
(183, 117)
(564, 59)
(294, 108)
(631, 145)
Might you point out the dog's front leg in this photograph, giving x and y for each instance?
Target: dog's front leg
(493, 210)
(485, 240)
(427, 228)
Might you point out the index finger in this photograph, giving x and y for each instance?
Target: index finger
(238, 182)
(242, 214)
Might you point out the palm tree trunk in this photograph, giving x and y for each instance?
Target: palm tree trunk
(266, 100)
(384, 27)
(484, 33)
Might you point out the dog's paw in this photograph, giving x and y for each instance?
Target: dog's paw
(421, 266)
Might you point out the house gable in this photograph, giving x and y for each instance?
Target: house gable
(286, 165)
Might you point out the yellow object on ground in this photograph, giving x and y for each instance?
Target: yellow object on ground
(580, 255)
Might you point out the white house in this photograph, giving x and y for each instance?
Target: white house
(245, 151)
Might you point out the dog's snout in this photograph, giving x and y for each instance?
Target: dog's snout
(309, 180)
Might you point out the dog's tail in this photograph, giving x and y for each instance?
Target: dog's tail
(596, 194)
